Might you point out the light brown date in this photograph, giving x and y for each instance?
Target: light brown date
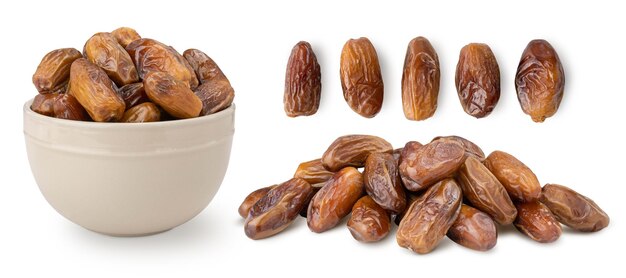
(518, 180)
(573, 209)
(352, 150)
(411, 198)
(382, 182)
(474, 229)
(483, 190)
(216, 95)
(361, 80)
(251, 199)
(304, 211)
(303, 82)
(536, 221)
(477, 80)
(420, 80)
(369, 222)
(53, 72)
(133, 94)
(104, 51)
(313, 172)
(173, 95)
(125, 35)
(277, 209)
(539, 80)
(335, 200)
(43, 104)
(91, 86)
(67, 107)
(428, 221)
(470, 148)
(431, 163)
(142, 113)
(205, 68)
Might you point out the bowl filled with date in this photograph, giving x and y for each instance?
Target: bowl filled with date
(129, 137)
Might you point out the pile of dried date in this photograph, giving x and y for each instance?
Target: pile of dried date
(446, 187)
(121, 77)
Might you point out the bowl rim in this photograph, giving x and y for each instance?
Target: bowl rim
(108, 125)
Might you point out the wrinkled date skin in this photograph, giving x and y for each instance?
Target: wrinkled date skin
(133, 94)
(431, 163)
(313, 172)
(104, 51)
(152, 56)
(478, 80)
(335, 200)
(303, 82)
(91, 86)
(361, 80)
(471, 149)
(352, 150)
(205, 68)
(215, 94)
(67, 107)
(125, 35)
(53, 71)
(420, 80)
(474, 229)
(43, 104)
(251, 199)
(573, 209)
(173, 95)
(518, 180)
(536, 221)
(277, 209)
(411, 198)
(369, 222)
(428, 221)
(539, 80)
(483, 190)
(305, 209)
(382, 182)
(142, 113)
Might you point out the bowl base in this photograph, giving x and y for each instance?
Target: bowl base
(130, 235)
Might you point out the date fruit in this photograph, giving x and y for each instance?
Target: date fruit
(573, 209)
(104, 51)
(142, 113)
(53, 72)
(474, 229)
(483, 190)
(133, 94)
(43, 104)
(313, 172)
(173, 95)
(277, 209)
(305, 209)
(205, 68)
(428, 221)
(382, 182)
(539, 80)
(125, 35)
(369, 222)
(215, 94)
(471, 149)
(431, 163)
(91, 86)
(67, 107)
(477, 80)
(536, 221)
(361, 80)
(518, 180)
(420, 80)
(352, 150)
(303, 82)
(251, 199)
(335, 200)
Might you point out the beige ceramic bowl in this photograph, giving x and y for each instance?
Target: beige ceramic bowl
(127, 179)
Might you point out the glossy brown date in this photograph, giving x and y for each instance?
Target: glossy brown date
(477, 80)
(171, 94)
(431, 163)
(361, 80)
(125, 35)
(573, 209)
(420, 80)
(215, 94)
(67, 107)
(142, 113)
(518, 180)
(352, 150)
(133, 94)
(536, 221)
(303, 82)
(382, 182)
(43, 104)
(104, 51)
(251, 199)
(205, 68)
(53, 72)
(473, 229)
(471, 149)
(369, 222)
(313, 172)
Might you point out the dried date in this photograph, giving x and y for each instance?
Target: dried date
(67, 107)
(369, 222)
(215, 95)
(251, 199)
(361, 80)
(431, 163)
(104, 51)
(205, 68)
(133, 94)
(518, 180)
(573, 209)
(53, 72)
(173, 95)
(382, 182)
(477, 80)
(142, 113)
(473, 229)
(471, 149)
(536, 221)
(303, 82)
(420, 80)
(313, 172)
(43, 104)
(352, 150)
(125, 35)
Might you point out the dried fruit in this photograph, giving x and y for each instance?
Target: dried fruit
(133, 94)
(352, 150)
(536, 221)
(305, 209)
(215, 95)
(204, 67)
(173, 95)
(478, 79)
(91, 86)
(67, 107)
(518, 180)
(396, 155)
(251, 199)
(277, 209)
(43, 104)
(420, 80)
(335, 200)
(473, 229)
(313, 172)
(152, 56)
(382, 182)
(361, 80)
(539, 80)
(369, 222)
(471, 149)
(125, 35)
(428, 221)
(53, 72)
(103, 50)
(431, 163)
(483, 190)
(573, 209)
(411, 198)
(142, 113)
(303, 84)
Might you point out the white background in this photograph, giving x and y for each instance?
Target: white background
(582, 146)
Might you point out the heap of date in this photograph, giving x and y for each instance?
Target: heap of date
(121, 77)
(446, 187)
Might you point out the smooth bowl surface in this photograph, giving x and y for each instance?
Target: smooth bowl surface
(129, 179)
